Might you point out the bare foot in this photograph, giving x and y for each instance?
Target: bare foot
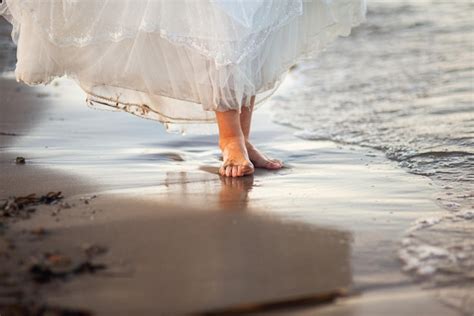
(260, 160)
(235, 156)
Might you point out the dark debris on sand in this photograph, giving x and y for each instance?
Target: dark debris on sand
(20, 160)
(57, 266)
(40, 310)
(23, 273)
(22, 206)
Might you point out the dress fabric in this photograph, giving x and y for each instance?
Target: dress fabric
(175, 61)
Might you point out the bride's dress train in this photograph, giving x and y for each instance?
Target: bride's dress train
(175, 61)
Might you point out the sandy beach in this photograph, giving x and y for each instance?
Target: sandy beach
(105, 213)
(173, 237)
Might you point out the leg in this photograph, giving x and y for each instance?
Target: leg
(232, 143)
(259, 159)
(246, 118)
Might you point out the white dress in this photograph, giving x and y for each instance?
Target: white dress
(176, 61)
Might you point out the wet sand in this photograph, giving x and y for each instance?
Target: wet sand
(318, 236)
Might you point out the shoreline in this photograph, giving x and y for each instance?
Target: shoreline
(168, 179)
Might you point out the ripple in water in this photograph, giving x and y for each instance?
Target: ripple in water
(403, 83)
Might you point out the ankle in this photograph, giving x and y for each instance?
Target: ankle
(224, 141)
(248, 143)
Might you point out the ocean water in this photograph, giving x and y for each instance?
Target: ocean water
(402, 83)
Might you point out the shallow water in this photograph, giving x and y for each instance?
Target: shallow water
(403, 83)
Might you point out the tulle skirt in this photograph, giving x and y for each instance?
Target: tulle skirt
(175, 61)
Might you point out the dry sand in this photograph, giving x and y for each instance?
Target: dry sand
(179, 239)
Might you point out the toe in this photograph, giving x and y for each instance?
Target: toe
(273, 164)
(278, 162)
(240, 171)
(235, 170)
(222, 171)
(228, 171)
(247, 169)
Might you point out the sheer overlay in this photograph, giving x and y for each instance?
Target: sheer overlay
(175, 61)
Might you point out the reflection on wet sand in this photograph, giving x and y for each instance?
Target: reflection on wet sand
(206, 261)
(206, 189)
(218, 262)
(234, 192)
